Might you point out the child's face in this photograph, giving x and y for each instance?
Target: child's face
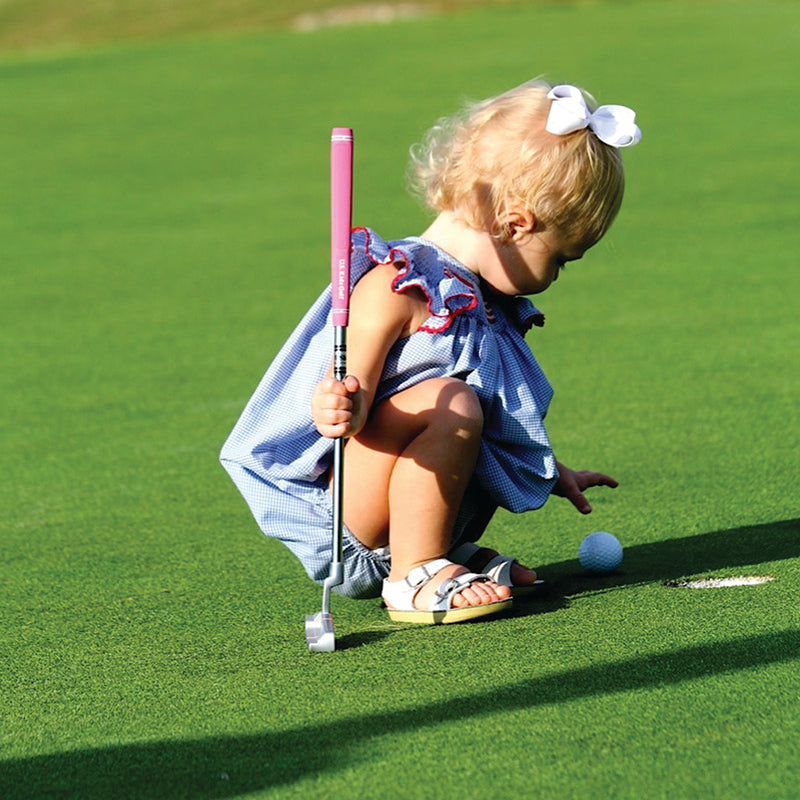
(531, 262)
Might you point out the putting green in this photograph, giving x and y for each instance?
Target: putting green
(163, 225)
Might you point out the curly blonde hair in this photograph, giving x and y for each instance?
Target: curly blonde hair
(496, 153)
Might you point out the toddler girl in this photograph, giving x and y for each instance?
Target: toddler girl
(444, 403)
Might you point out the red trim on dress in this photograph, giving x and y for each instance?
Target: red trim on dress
(400, 260)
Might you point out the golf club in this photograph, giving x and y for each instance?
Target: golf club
(320, 636)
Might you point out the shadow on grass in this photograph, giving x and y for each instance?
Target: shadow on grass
(229, 766)
(352, 640)
(673, 559)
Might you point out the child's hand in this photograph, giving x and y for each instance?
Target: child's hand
(337, 407)
(571, 484)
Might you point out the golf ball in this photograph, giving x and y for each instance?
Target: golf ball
(600, 552)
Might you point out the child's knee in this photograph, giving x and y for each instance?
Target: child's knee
(454, 403)
(440, 407)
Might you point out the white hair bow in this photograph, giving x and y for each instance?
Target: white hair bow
(613, 125)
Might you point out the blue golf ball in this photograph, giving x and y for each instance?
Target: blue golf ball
(600, 552)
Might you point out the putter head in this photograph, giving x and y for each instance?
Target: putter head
(319, 633)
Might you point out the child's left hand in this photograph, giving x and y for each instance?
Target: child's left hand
(338, 407)
(572, 483)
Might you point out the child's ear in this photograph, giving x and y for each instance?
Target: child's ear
(515, 222)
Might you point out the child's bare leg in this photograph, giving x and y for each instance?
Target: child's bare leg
(405, 477)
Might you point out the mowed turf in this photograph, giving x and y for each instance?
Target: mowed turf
(163, 225)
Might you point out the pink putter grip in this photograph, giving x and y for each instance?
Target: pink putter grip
(341, 220)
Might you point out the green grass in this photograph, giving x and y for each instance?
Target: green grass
(162, 227)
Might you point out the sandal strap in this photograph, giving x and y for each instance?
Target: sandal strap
(420, 575)
(444, 594)
(499, 569)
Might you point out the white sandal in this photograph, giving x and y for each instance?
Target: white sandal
(399, 597)
(498, 568)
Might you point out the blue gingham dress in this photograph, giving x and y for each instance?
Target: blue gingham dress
(281, 464)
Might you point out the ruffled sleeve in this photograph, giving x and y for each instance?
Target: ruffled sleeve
(449, 292)
(524, 315)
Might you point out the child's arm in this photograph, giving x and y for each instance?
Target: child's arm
(571, 485)
(378, 318)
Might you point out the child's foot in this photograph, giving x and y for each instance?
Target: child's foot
(475, 594)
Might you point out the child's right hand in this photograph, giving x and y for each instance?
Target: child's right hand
(337, 407)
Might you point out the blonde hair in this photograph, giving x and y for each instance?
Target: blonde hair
(497, 153)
